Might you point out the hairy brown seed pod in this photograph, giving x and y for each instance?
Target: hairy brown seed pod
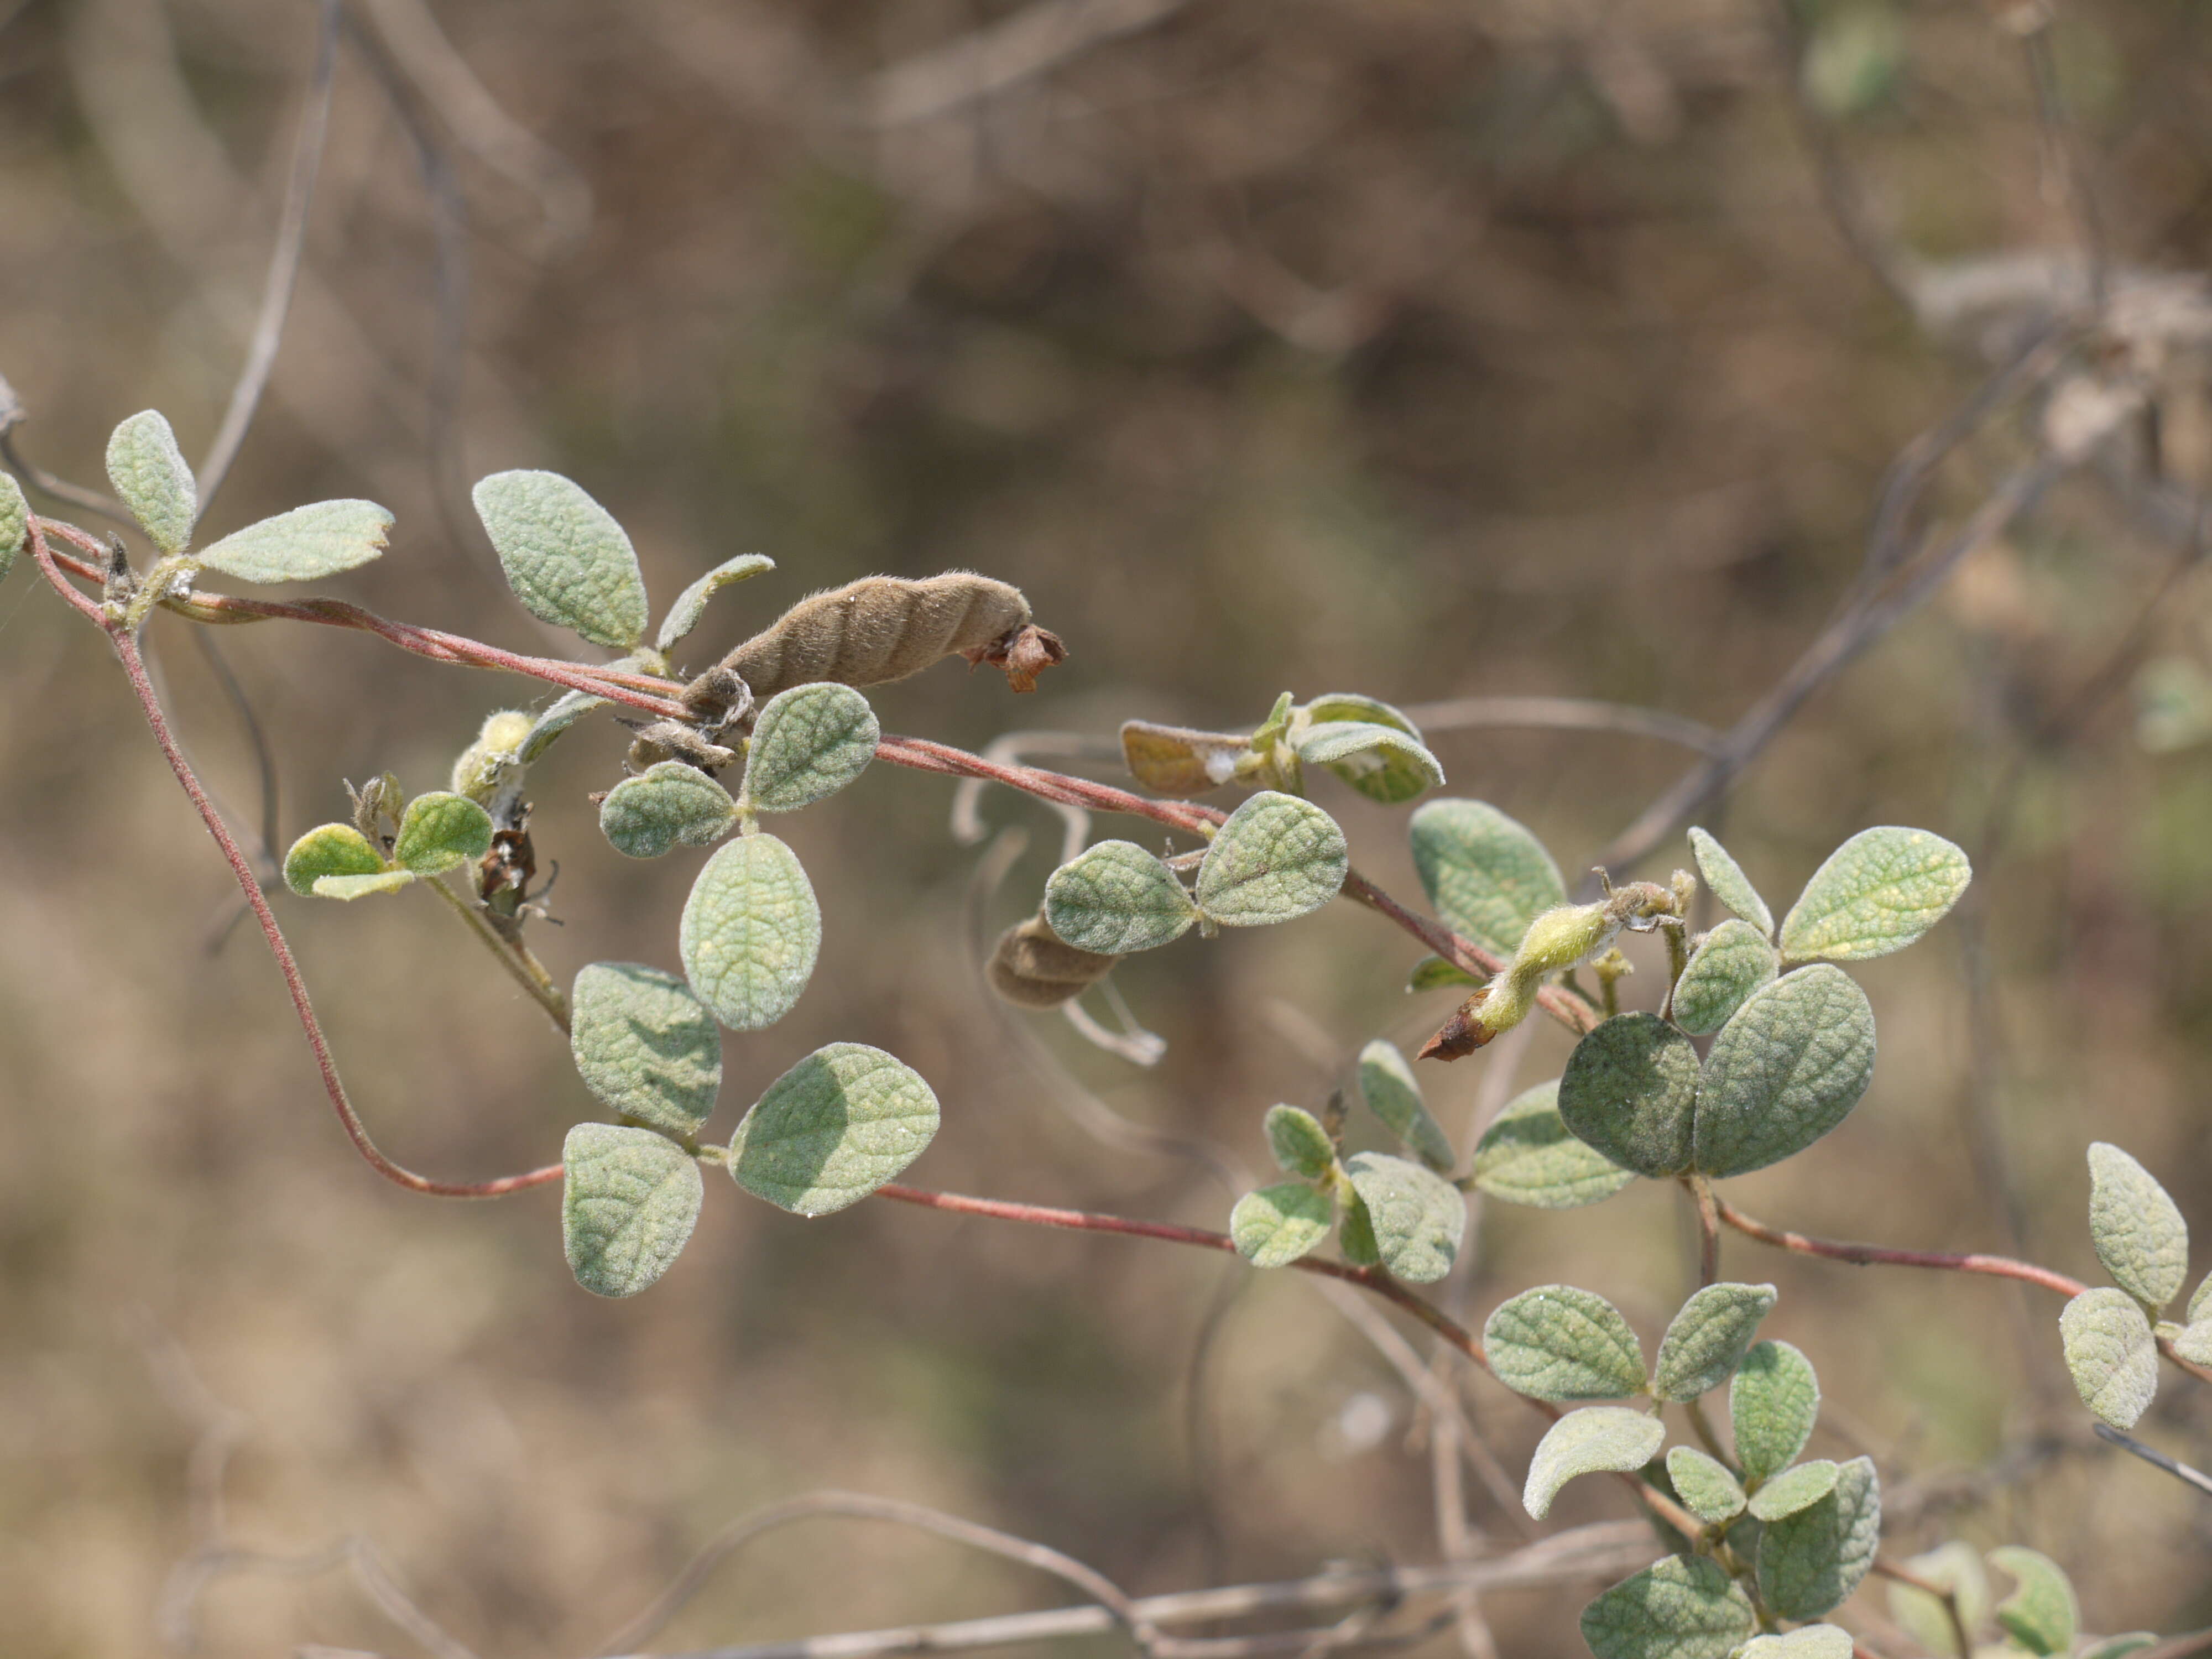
(881, 629)
(1033, 968)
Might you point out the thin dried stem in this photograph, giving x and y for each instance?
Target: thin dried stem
(524, 969)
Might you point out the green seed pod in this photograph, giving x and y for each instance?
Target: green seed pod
(476, 772)
(1033, 968)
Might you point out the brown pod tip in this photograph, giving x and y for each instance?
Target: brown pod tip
(1024, 652)
(1460, 1035)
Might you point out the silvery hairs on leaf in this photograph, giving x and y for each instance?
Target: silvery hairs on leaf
(1878, 892)
(1774, 1401)
(1387, 1086)
(1708, 1338)
(1703, 1483)
(562, 713)
(833, 1129)
(1276, 1226)
(2041, 1614)
(440, 831)
(566, 559)
(1730, 963)
(1275, 859)
(691, 604)
(2136, 1228)
(807, 743)
(1416, 1215)
(1558, 1343)
(1382, 763)
(1301, 1146)
(1786, 1069)
(1596, 1440)
(1630, 1092)
(1810, 1562)
(361, 886)
(629, 1199)
(667, 806)
(2111, 1353)
(1484, 873)
(1806, 1642)
(15, 522)
(330, 849)
(1725, 877)
(150, 477)
(1682, 1608)
(1116, 897)
(645, 1045)
(751, 931)
(1798, 1487)
(1528, 1156)
(306, 544)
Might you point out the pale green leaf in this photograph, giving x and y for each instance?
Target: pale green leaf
(1806, 1642)
(1276, 858)
(667, 806)
(1435, 974)
(1730, 963)
(808, 743)
(1528, 1156)
(1484, 873)
(1878, 892)
(645, 1045)
(1631, 1091)
(691, 604)
(629, 1199)
(1355, 1233)
(564, 712)
(2040, 1615)
(833, 1129)
(1708, 1338)
(330, 849)
(15, 522)
(1794, 1489)
(303, 545)
(1387, 1086)
(2136, 1228)
(1774, 1401)
(361, 886)
(1682, 1608)
(2200, 1305)
(149, 475)
(1416, 1217)
(1115, 898)
(1811, 1561)
(2112, 1354)
(1301, 1146)
(1383, 764)
(2194, 1343)
(1703, 1483)
(1957, 1568)
(1275, 725)
(1729, 883)
(1352, 706)
(750, 933)
(1784, 1071)
(566, 559)
(1596, 1440)
(1558, 1343)
(1276, 1226)
(441, 830)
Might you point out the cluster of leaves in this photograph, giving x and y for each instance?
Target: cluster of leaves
(2040, 1617)
(2112, 1334)
(1368, 744)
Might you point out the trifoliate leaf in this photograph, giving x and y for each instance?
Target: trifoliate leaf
(566, 559)
(645, 1045)
(1786, 1069)
(691, 604)
(1794, 1489)
(1301, 1146)
(1382, 764)
(1416, 1217)
(1387, 1086)
(667, 806)
(1276, 1226)
(1116, 897)
(1596, 1440)
(1434, 974)
(629, 1199)
(1730, 963)
(1704, 1484)
(1484, 873)
(2041, 1614)
(150, 477)
(1806, 1642)
(1810, 1561)
(1878, 892)
(440, 831)
(1631, 1091)
(360, 886)
(1957, 1568)
(750, 933)
(2136, 1228)
(1528, 1156)
(1708, 1340)
(809, 743)
(833, 1129)
(1276, 858)
(15, 522)
(303, 545)
(1729, 883)
(1682, 1608)
(563, 713)
(1178, 762)
(1774, 1402)
(2111, 1353)
(1558, 1343)
(328, 849)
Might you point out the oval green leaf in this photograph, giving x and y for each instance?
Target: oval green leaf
(1682, 1608)
(809, 743)
(1416, 1217)
(2136, 1228)
(563, 713)
(330, 849)
(752, 930)
(1794, 1489)
(440, 831)
(1387, 1086)
(1484, 873)
(1381, 764)
(1301, 1146)
(1774, 1401)
(361, 886)
(1811, 1561)
(645, 1045)
(1116, 897)
(1783, 1072)
(1275, 859)
(1730, 963)
(150, 477)
(1631, 1091)
(2040, 1615)
(1528, 1156)
(1708, 1338)
(15, 522)
(1729, 883)
(691, 604)
(1704, 1484)
(833, 1129)
(1558, 1343)
(629, 1199)
(1878, 892)
(2112, 1354)
(305, 545)
(1596, 1440)
(1276, 1226)
(566, 559)
(667, 806)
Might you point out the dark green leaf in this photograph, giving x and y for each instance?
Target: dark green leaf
(1631, 1091)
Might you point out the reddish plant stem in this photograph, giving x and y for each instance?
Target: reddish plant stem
(1949, 1598)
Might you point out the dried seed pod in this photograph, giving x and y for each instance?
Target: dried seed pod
(881, 629)
(1033, 968)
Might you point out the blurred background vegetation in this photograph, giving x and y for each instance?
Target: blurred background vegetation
(1422, 350)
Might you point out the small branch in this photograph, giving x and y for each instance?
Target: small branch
(2156, 1458)
(2001, 1266)
(524, 969)
(1943, 1593)
(1709, 1228)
